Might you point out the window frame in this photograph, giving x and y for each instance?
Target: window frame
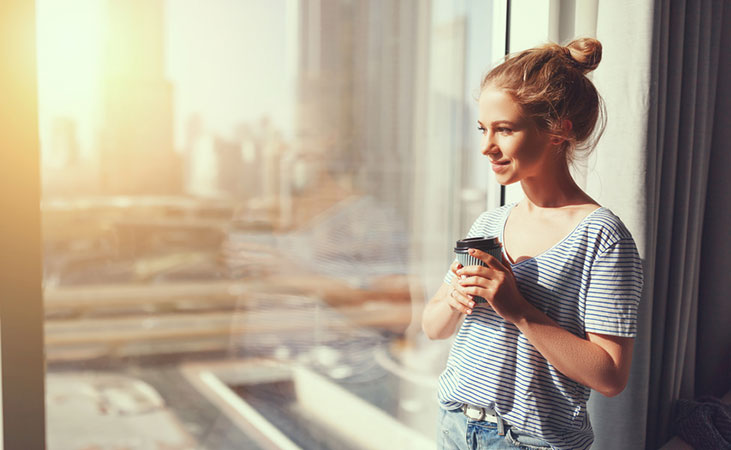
(21, 298)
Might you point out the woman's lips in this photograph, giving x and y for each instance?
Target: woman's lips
(498, 166)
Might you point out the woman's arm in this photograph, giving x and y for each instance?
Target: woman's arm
(446, 309)
(600, 362)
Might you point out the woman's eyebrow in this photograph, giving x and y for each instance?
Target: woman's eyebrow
(503, 122)
(500, 122)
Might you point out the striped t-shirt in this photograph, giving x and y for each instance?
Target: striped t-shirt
(589, 282)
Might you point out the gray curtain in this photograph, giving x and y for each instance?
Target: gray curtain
(685, 70)
(659, 79)
(713, 349)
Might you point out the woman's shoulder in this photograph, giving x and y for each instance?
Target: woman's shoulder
(497, 214)
(606, 227)
(606, 220)
(490, 222)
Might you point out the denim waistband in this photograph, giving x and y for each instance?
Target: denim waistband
(491, 418)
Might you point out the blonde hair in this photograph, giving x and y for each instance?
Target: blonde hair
(550, 84)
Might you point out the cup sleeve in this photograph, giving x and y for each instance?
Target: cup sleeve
(477, 225)
(614, 291)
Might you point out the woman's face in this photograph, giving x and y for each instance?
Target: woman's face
(517, 149)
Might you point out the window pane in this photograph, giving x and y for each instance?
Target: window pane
(245, 206)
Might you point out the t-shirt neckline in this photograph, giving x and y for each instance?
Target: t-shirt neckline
(554, 246)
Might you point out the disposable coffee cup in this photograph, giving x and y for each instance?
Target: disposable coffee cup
(488, 244)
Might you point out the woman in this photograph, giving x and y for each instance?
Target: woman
(560, 317)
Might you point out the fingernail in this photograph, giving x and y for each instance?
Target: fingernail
(472, 304)
(472, 251)
(469, 311)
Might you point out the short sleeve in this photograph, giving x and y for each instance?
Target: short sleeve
(615, 287)
(477, 225)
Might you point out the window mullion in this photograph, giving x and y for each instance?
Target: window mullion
(21, 298)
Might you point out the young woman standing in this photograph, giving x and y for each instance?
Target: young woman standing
(560, 317)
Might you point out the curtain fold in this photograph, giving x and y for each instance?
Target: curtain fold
(658, 79)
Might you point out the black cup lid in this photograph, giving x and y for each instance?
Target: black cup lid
(478, 242)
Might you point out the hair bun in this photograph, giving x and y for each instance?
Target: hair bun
(586, 53)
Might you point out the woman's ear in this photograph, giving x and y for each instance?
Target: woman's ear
(563, 134)
(566, 126)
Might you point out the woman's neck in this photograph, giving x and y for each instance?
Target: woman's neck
(553, 188)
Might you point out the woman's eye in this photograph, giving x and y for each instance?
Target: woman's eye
(501, 130)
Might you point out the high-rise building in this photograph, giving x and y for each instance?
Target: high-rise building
(137, 155)
(356, 92)
(64, 172)
(386, 44)
(251, 171)
(201, 179)
(64, 145)
(325, 80)
(231, 176)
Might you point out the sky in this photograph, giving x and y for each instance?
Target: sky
(229, 61)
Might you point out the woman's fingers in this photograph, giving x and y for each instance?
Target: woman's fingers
(455, 267)
(460, 301)
(487, 258)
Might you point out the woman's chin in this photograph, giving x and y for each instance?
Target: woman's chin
(504, 180)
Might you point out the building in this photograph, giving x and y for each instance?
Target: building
(64, 172)
(137, 155)
(356, 92)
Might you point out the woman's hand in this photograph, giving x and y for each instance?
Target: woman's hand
(496, 284)
(458, 299)
(446, 309)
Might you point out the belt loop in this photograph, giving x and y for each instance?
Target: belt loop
(500, 425)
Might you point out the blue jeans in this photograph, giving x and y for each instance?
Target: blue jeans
(457, 432)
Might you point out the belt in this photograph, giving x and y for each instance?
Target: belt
(481, 414)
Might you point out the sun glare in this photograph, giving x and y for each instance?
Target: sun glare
(68, 49)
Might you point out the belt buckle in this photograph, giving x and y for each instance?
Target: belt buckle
(477, 409)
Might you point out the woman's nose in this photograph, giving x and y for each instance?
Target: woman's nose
(488, 144)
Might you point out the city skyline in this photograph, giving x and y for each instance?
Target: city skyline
(199, 41)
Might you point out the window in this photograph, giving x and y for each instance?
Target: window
(244, 208)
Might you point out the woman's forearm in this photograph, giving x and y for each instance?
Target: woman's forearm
(580, 359)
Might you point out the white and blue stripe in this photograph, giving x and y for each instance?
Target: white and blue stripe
(589, 282)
